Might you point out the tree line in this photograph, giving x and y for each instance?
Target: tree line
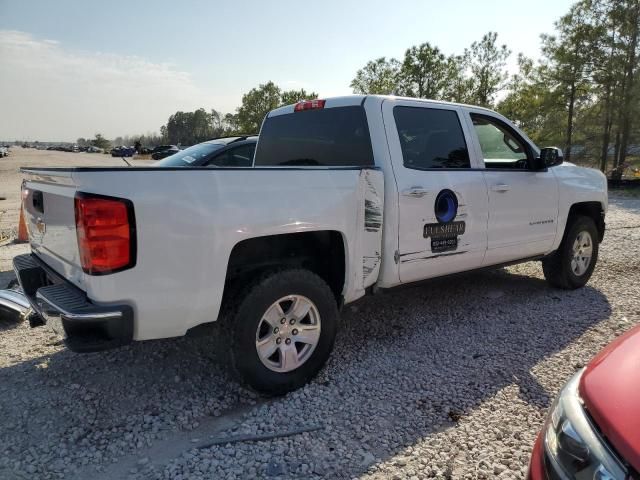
(583, 93)
(585, 90)
(188, 128)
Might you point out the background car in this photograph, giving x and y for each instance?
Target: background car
(593, 428)
(4, 151)
(123, 151)
(220, 152)
(163, 151)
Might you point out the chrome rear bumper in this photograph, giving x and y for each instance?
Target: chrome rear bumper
(87, 327)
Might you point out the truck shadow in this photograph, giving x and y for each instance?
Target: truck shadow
(412, 362)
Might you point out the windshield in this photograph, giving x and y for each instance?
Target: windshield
(191, 156)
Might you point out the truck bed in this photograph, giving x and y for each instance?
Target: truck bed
(187, 221)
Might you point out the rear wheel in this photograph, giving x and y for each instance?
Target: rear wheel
(572, 264)
(282, 330)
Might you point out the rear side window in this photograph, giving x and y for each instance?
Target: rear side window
(431, 138)
(328, 137)
(241, 156)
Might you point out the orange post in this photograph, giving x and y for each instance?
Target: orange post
(23, 235)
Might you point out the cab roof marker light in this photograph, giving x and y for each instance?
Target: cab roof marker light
(309, 105)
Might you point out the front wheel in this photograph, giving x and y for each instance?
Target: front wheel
(282, 330)
(571, 266)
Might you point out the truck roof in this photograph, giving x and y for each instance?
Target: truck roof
(355, 99)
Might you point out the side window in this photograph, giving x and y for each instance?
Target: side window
(431, 138)
(241, 156)
(501, 148)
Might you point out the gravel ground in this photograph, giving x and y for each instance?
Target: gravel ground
(450, 379)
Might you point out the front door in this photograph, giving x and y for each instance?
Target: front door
(523, 203)
(443, 206)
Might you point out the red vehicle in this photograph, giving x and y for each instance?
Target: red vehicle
(593, 428)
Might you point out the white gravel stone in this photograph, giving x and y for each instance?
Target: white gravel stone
(451, 379)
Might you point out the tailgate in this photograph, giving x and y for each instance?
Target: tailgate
(48, 201)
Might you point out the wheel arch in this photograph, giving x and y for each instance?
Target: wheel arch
(594, 210)
(323, 252)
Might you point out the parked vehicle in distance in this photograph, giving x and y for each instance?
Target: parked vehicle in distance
(162, 151)
(220, 152)
(346, 196)
(92, 149)
(593, 427)
(4, 151)
(123, 151)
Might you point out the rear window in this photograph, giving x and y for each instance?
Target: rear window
(331, 137)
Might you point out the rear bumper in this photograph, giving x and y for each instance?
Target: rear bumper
(86, 327)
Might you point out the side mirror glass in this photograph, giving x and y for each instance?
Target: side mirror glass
(551, 156)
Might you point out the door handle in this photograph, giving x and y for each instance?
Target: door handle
(501, 187)
(415, 192)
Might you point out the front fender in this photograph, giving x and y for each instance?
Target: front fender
(577, 185)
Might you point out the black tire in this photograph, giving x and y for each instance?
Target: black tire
(557, 267)
(243, 314)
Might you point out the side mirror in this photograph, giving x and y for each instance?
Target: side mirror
(550, 157)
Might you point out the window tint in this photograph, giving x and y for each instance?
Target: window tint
(431, 138)
(336, 136)
(500, 148)
(241, 156)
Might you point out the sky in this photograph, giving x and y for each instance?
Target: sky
(72, 68)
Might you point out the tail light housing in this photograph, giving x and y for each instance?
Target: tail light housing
(105, 227)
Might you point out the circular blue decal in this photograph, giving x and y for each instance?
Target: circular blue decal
(446, 206)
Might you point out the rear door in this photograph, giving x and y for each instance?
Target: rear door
(443, 206)
(523, 203)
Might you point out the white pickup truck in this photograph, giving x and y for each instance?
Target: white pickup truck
(345, 196)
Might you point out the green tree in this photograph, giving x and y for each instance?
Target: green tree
(256, 104)
(189, 128)
(101, 142)
(532, 103)
(569, 56)
(293, 96)
(378, 77)
(164, 134)
(261, 100)
(459, 85)
(626, 15)
(487, 63)
(424, 73)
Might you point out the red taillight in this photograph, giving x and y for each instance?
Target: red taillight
(308, 105)
(105, 234)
